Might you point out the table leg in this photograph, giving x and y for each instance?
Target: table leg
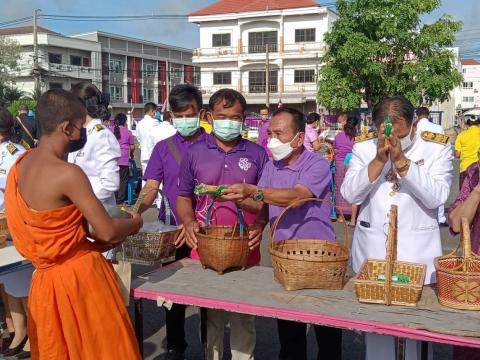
(400, 345)
(139, 323)
(424, 350)
(203, 331)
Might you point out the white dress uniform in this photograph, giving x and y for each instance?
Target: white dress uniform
(16, 283)
(99, 160)
(417, 195)
(425, 125)
(149, 132)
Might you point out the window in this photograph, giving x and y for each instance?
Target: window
(464, 70)
(468, 85)
(75, 60)
(304, 35)
(147, 95)
(468, 99)
(116, 65)
(222, 78)
(54, 58)
(257, 81)
(148, 70)
(54, 85)
(116, 93)
(305, 76)
(221, 40)
(176, 74)
(86, 61)
(258, 41)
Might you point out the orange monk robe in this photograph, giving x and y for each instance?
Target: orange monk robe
(75, 307)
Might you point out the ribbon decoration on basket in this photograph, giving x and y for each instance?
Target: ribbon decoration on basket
(223, 247)
(309, 263)
(152, 246)
(458, 277)
(373, 283)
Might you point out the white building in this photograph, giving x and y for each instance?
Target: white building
(235, 37)
(140, 71)
(471, 84)
(132, 71)
(62, 60)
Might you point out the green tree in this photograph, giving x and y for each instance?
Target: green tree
(378, 48)
(14, 105)
(9, 56)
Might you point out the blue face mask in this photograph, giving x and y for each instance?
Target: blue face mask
(227, 130)
(158, 116)
(186, 126)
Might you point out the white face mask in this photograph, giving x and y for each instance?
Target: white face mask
(407, 141)
(280, 150)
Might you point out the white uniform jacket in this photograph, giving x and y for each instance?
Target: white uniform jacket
(9, 153)
(425, 187)
(99, 160)
(149, 132)
(425, 125)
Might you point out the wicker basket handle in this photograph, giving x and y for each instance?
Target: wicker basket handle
(273, 229)
(391, 255)
(166, 203)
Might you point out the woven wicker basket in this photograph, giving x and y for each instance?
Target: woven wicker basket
(223, 247)
(3, 230)
(458, 277)
(150, 248)
(370, 290)
(308, 264)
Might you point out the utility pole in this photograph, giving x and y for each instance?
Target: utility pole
(267, 77)
(316, 82)
(36, 71)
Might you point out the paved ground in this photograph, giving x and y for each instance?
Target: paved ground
(267, 342)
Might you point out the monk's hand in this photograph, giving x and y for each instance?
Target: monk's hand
(137, 222)
(239, 192)
(383, 146)
(191, 229)
(181, 238)
(255, 236)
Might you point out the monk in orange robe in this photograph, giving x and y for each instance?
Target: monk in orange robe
(75, 306)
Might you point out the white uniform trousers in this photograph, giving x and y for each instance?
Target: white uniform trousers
(441, 215)
(382, 347)
(242, 335)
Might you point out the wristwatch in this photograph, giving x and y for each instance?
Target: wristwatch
(258, 196)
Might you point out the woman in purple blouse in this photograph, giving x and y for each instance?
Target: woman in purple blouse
(342, 146)
(127, 148)
(468, 205)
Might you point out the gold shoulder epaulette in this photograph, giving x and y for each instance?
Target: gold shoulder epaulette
(435, 137)
(12, 149)
(99, 127)
(364, 137)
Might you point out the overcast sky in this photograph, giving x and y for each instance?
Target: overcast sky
(180, 32)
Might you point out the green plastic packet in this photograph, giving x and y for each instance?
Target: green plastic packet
(388, 126)
(211, 190)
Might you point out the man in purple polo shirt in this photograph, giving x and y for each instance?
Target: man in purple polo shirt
(263, 128)
(164, 167)
(224, 158)
(294, 174)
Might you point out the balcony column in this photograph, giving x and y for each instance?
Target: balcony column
(280, 40)
(239, 45)
(239, 82)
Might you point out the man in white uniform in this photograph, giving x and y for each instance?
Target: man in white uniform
(98, 158)
(150, 131)
(411, 171)
(424, 124)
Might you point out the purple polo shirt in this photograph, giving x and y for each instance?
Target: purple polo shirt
(206, 163)
(163, 167)
(263, 136)
(126, 139)
(311, 220)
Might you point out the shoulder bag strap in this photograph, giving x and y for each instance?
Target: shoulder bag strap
(173, 150)
(25, 129)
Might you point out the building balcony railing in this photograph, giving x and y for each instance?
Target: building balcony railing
(307, 89)
(66, 69)
(229, 51)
